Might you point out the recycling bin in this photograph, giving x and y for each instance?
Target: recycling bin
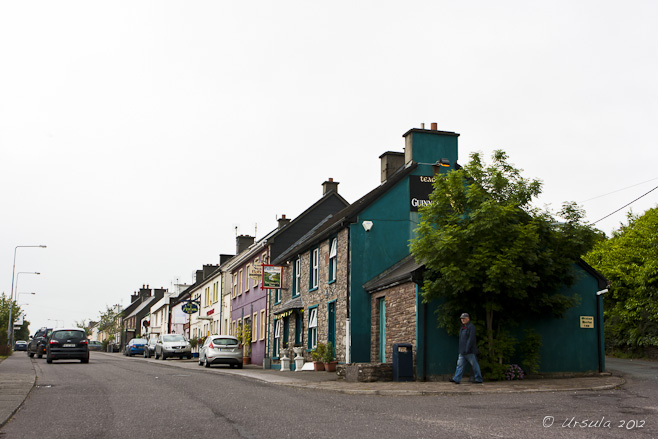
(403, 362)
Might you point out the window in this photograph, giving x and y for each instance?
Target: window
(314, 268)
(255, 283)
(215, 292)
(234, 328)
(277, 337)
(333, 257)
(297, 277)
(262, 324)
(265, 258)
(313, 328)
(277, 296)
(240, 283)
(235, 285)
(254, 327)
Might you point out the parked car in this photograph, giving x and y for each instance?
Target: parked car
(172, 345)
(221, 349)
(149, 349)
(67, 344)
(95, 345)
(20, 345)
(37, 345)
(134, 346)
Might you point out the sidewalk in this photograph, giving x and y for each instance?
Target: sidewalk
(18, 376)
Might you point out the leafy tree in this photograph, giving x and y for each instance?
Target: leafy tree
(110, 321)
(84, 324)
(488, 251)
(629, 260)
(4, 317)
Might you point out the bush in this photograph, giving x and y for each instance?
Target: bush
(319, 352)
(514, 372)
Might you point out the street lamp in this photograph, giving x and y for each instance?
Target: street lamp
(10, 326)
(11, 307)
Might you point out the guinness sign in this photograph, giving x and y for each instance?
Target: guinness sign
(420, 188)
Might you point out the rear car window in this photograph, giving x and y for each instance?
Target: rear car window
(224, 341)
(65, 335)
(173, 337)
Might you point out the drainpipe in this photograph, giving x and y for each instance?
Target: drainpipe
(599, 328)
(348, 325)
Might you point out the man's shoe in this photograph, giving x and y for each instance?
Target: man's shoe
(453, 381)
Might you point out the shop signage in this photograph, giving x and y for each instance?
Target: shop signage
(420, 188)
(272, 275)
(190, 308)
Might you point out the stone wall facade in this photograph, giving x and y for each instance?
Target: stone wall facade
(400, 305)
(327, 292)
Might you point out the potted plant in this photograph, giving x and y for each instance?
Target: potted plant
(328, 358)
(246, 341)
(318, 356)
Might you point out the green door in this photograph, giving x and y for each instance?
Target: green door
(331, 330)
(382, 330)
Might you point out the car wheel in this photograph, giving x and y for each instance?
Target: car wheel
(164, 357)
(189, 357)
(232, 366)
(155, 355)
(49, 360)
(84, 360)
(239, 365)
(205, 362)
(30, 354)
(145, 356)
(200, 362)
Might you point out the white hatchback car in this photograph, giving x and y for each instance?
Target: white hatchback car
(221, 349)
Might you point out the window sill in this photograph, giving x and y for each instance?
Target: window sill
(331, 282)
(313, 289)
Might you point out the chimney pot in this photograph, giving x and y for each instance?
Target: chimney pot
(422, 126)
(329, 185)
(434, 126)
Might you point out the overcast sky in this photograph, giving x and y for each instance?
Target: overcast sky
(136, 136)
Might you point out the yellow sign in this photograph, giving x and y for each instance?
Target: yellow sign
(587, 321)
(255, 272)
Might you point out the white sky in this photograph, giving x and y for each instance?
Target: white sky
(135, 136)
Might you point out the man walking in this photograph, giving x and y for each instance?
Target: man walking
(467, 350)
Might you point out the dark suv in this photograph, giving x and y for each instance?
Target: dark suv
(37, 346)
(67, 344)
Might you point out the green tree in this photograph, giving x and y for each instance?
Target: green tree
(84, 324)
(629, 260)
(488, 251)
(4, 317)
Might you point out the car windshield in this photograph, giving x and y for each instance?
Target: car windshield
(65, 335)
(173, 337)
(225, 341)
(138, 341)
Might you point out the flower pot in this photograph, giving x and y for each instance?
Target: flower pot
(246, 360)
(330, 366)
(318, 365)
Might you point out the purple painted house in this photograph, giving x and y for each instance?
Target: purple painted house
(250, 304)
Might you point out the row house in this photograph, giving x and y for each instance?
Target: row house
(135, 313)
(352, 281)
(159, 316)
(191, 325)
(209, 319)
(250, 302)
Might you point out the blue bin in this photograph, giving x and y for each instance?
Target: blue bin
(403, 362)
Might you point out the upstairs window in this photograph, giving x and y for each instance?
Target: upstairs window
(297, 277)
(314, 269)
(333, 258)
(313, 328)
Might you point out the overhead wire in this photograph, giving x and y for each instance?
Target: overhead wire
(641, 196)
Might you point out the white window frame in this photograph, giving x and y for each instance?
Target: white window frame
(315, 267)
(313, 327)
(333, 259)
(298, 276)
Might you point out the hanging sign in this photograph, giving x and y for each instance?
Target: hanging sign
(190, 308)
(272, 275)
(255, 272)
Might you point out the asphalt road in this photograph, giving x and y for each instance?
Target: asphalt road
(115, 396)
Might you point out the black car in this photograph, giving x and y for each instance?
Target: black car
(20, 345)
(67, 344)
(37, 345)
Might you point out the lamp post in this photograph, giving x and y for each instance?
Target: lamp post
(10, 326)
(10, 330)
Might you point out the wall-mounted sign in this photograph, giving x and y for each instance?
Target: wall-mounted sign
(255, 272)
(190, 308)
(420, 188)
(272, 275)
(587, 321)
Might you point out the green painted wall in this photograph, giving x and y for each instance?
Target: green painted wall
(566, 347)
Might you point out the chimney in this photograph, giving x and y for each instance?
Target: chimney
(242, 243)
(283, 221)
(426, 147)
(329, 185)
(199, 276)
(223, 258)
(208, 269)
(390, 162)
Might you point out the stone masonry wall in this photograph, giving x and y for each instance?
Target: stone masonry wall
(400, 303)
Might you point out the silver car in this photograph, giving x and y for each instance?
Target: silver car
(221, 349)
(172, 345)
